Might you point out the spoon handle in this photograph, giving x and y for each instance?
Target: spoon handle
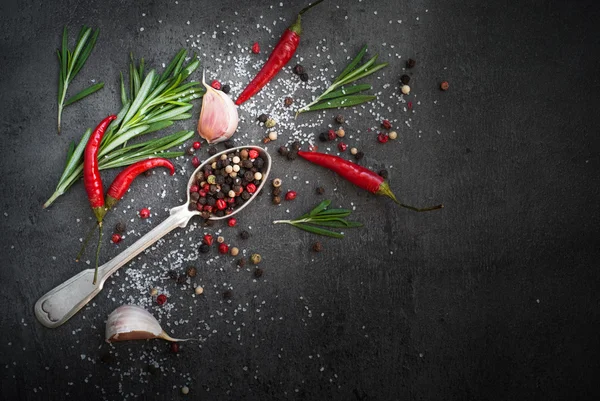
(61, 303)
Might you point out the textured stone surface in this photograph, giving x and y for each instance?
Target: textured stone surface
(492, 298)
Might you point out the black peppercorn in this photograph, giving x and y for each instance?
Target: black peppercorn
(317, 247)
(204, 248)
(246, 195)
(120, 227)
(359, 155)
(241, 262)
(190, 151)
(229, 144)
(191, 271)
(194, 196)
(244, 234)
(220, 213)
(288, 101)
(384, 174)
(226, 88)
(172, 274)
(227, 294)
(239, 201)
(292, 155)
(263, 118)
(147, 173)
(410, 63)
(323, 136)
(298, 69)
(304, 77)
(202, 200)
(259, 162)
(276, 200)
(258, 272)
(181, 279)
(405, 79)
(247, 163)
(249, 176)
(320, 190)
(212, 151)
(296, 145)
(283, 151)
(339, 119)
(200, 176)
(220, 195)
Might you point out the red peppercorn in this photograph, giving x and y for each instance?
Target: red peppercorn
(255, 48)
(208, 208)
(221, 204)
(144, 213)
(290, 195)
(386, 124)
(207, 239)
(116, 238)
(223, 248)
(231, 222)
(251, 188)
(409, 105)
(161, 299)
(175, 348)
(382, 138)
(253, 153)
(206, 188)
(199, 207)
(195, 161)
(216, 84)
(194, 188)
(230, 200)
(197, 145)
(342, 146)
(331, 135)
(202, 193)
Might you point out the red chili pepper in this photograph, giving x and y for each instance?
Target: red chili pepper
(123, 181)
(91, 174)
(358, 175)
(281, 54)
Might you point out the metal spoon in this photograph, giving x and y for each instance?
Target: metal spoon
(60, 304)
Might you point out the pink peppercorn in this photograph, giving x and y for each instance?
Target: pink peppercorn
(255, 48)
(207, 239)
(409, 105)
(197, 145)
(161, 299)
(231, 222)
(331, 135)
(386, 124)
(216, 84)
(195, 161)
(116, 238)
(221, 204)
(290, 195)
(253, 153)
(251, 188)
(382, 138)
(342, 146)
(223, 248)
(194, 188)
(145, 213)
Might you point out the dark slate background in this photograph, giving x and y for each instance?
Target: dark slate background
(495, 297)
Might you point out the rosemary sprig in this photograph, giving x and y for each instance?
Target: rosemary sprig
(153, 103)
(70, 63)
(320, 217)
(339, 95)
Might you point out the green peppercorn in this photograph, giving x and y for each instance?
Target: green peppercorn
(270, 123)
(255, 258)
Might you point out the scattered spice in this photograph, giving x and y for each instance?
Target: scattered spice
(196, 145)
(190, 152)
(185, 390)
(444, 85)
(383, 173)
(212, 150)
(227, 294)
(317, 247)
(331, 135)
(304, 77)
(277, 182)
(320, 190)
(292, 155)
(290, 195)
(386, 124)
(255, 258)
(288, 101)
(405, 79)
(342, 146)
(359, 155)
(393, 135)
(255, 48)
(198, 290)
(153, 292)
(174, 348)
(353, 151)
(191, 271)
(405, 89)
(144, 213)
(270, 123)
(204, 248)
(382, 137)
(339, 119)
(216, 84)
(283, 151)
(258, 272)
(298, 69)
(207, 239)
(195, 161)
(161, 299)
(220, 239)
(276, 200)
(172, 274)
(181, 279)
(263, 118)
(410, 63)
(244, 235)
(226, 88)
(340, 133)
(234, 251)
(241, 262)
(296, 146)
(116, 238)
(232, 222)
(223, 248)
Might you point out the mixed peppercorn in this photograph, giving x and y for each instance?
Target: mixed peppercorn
(227, 182)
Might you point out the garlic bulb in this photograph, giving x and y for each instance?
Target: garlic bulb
(218, 116)
(130, 322)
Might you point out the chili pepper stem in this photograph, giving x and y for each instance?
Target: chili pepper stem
(85, 242)
(385, 190)
(98, 253)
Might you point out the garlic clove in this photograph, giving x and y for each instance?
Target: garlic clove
(130, 322)
(218, 116)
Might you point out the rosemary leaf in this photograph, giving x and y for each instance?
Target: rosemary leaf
(318, 231)
(86, 92)
(347, 91)
(345, 101)
(352, 64)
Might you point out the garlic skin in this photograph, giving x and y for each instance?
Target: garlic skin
(130, 322)
(218, 116)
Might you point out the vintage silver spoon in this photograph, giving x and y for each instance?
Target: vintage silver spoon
(60, 304)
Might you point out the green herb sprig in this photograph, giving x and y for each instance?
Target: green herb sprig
(70, 63)
(320, 217)
(339, 95)
(153, 103)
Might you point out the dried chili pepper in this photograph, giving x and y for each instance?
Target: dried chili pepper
(358, 175)
(281, 54)
(91, 174)
(123, 181)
